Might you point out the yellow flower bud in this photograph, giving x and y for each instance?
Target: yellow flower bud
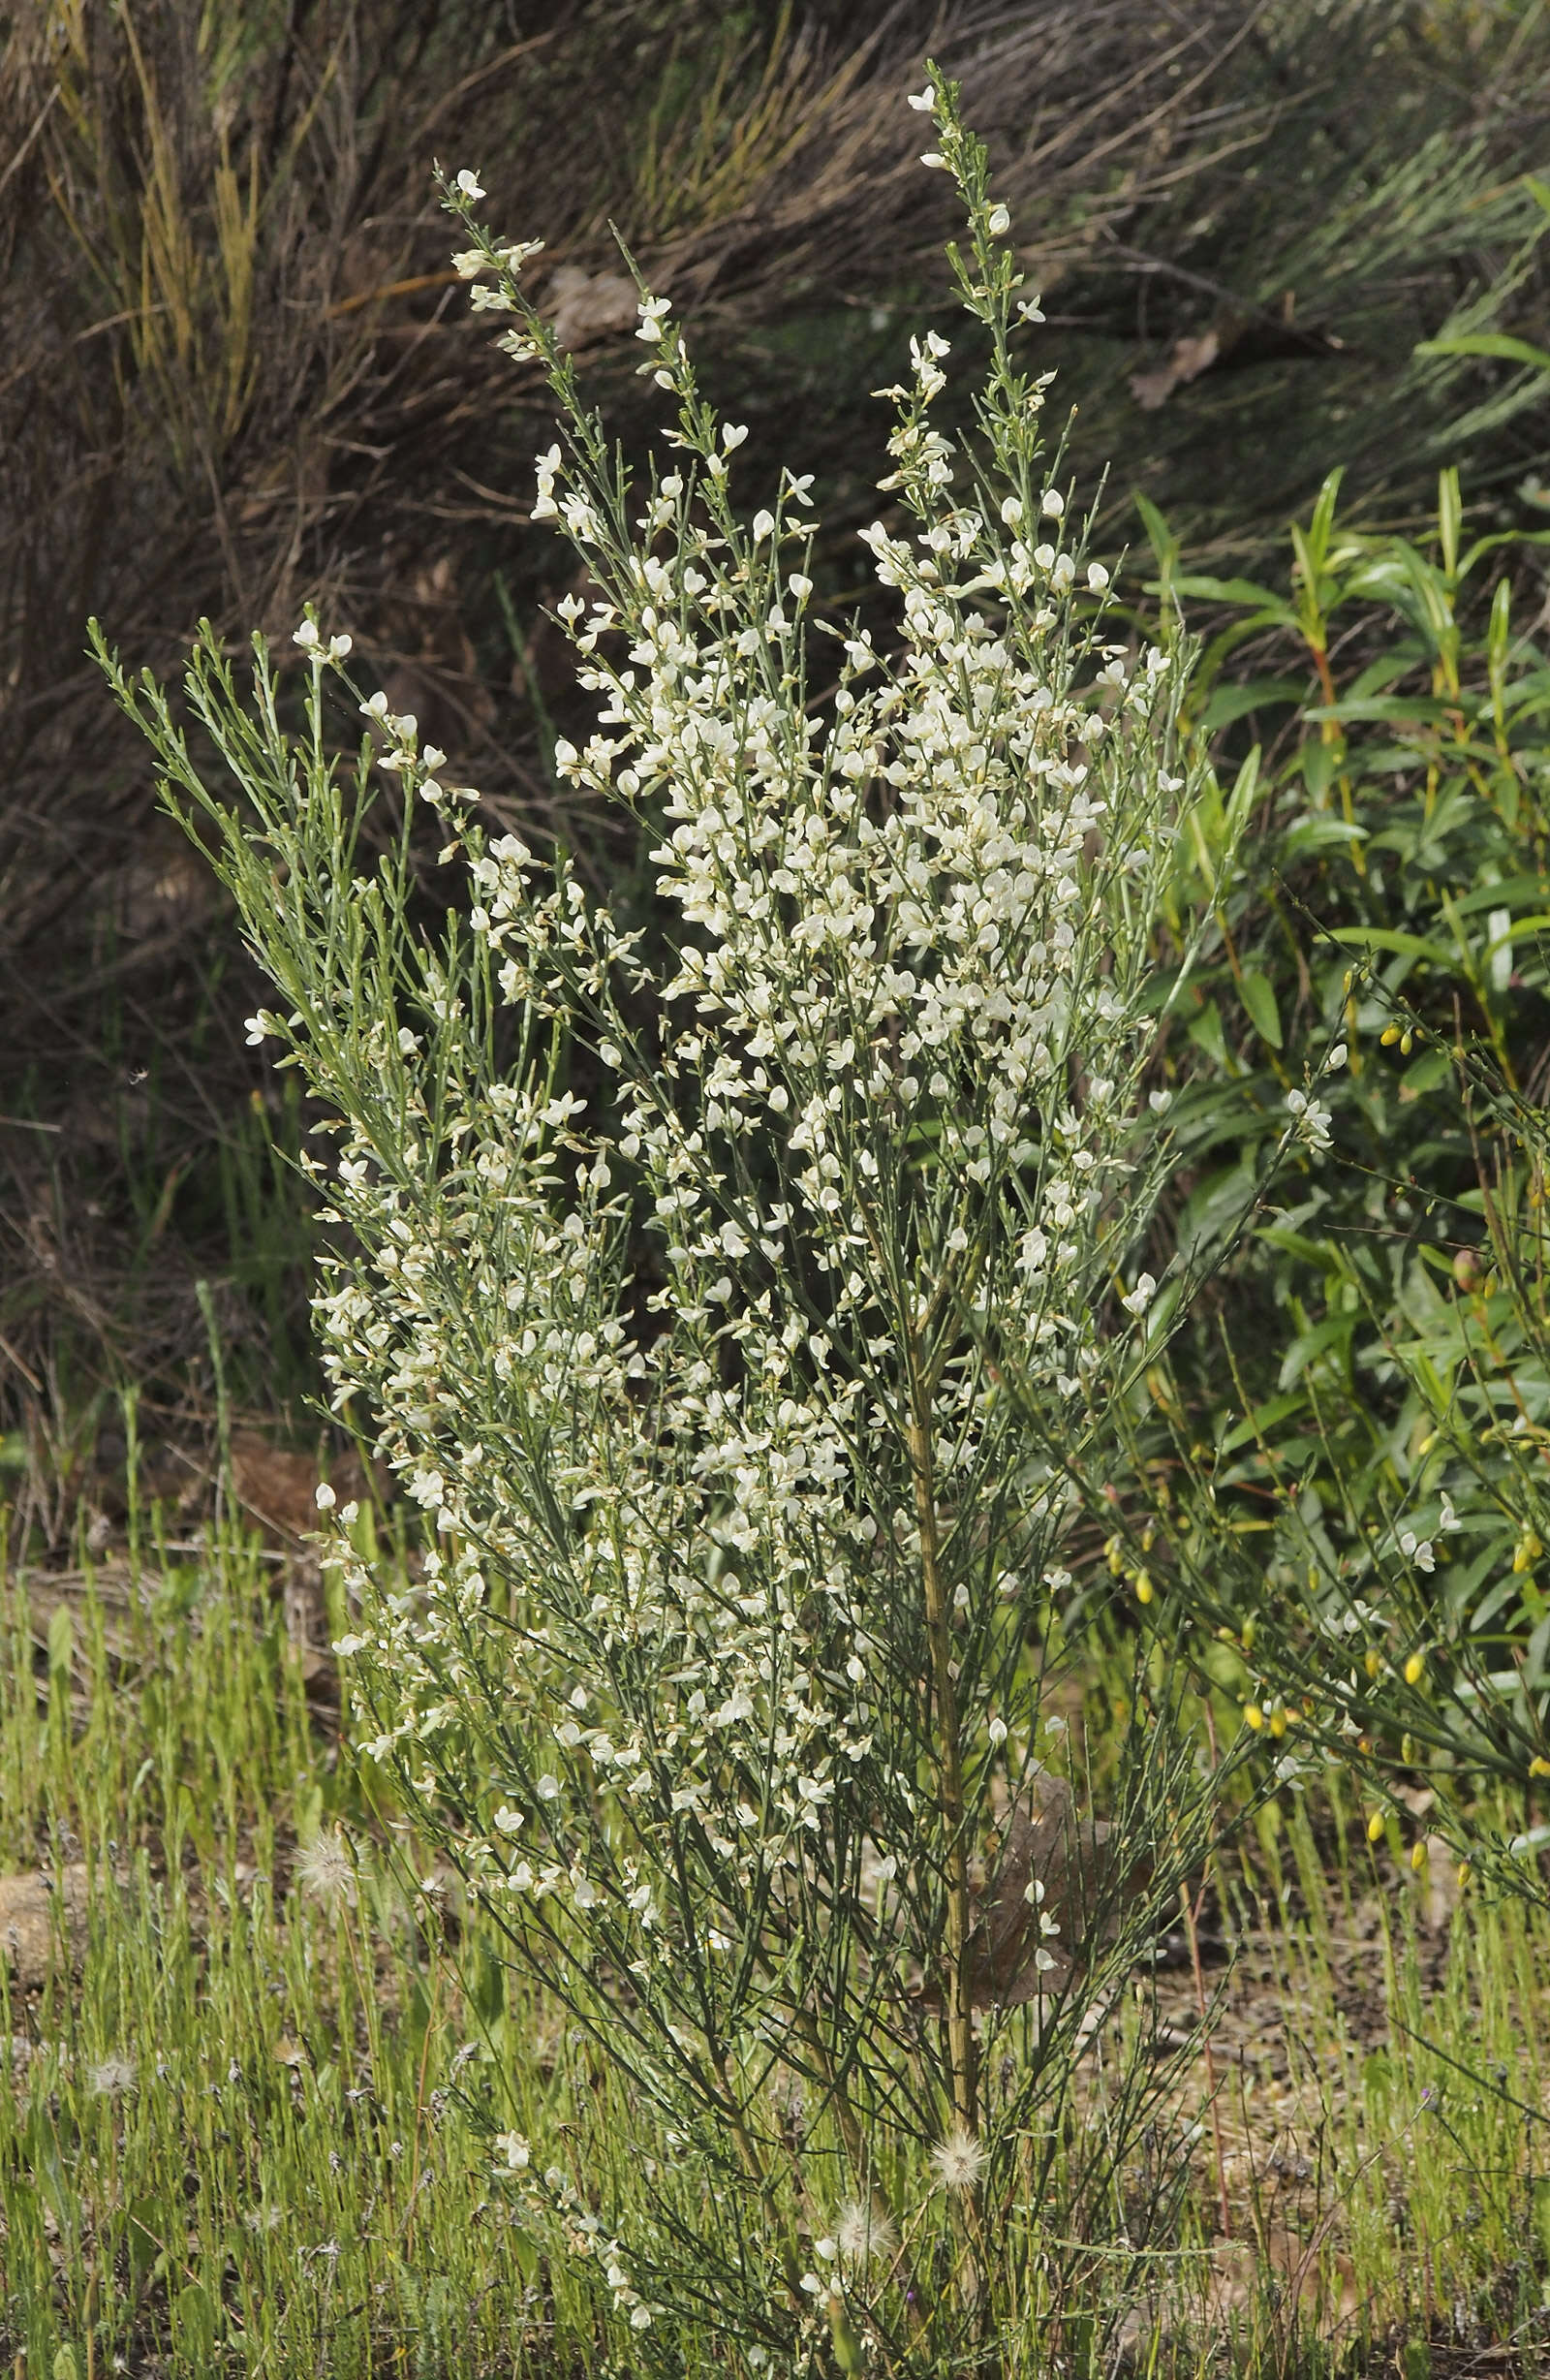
(1407, 1043)
(1418, 1858)
(1389, 1036)
(1372, 1663)
(1255, 1717)
(1414, 1670)
(1538, 1766)
(1374, 1826)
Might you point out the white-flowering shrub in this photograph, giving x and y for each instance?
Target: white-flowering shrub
(683, 1303)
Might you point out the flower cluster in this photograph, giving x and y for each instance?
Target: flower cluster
(557, 2203)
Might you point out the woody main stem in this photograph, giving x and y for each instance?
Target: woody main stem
(949, 1760)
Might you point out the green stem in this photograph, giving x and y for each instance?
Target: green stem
(961, 2051)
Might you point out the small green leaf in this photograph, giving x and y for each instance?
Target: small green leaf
(144, 2240)
(1450, 515)
(1205, 1031)
(61, 1642)
(1260, 1000)
(194, 2317)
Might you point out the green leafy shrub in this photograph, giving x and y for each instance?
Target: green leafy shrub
(1363, 1478)
(741, 1326)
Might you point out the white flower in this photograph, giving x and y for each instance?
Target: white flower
(1141, 1295)
(514, 2148)
(1054, 504)
(934, 159)
(999, 220)
(306, 636)
(469, 184)
(959, 2160)
(922, 102)
(1311, 1121)
(339, 647)
(258, 1028)
(1417, 1551)
(1337, 1057)
(324, 1498)
(1096, 577)
(732, 434)
(1448, 1520)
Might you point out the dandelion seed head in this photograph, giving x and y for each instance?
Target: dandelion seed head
(112, 2078)
(958, 2160)
(324, 1868)
(864, 2235)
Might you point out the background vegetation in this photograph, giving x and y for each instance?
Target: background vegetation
(240, 374)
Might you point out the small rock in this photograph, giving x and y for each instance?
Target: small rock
(34, 1909)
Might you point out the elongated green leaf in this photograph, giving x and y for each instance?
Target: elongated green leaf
(1239, 591)
(1232, 703)
(1260, 999)
(1497, 343)
(1497, 895)
(1390, 938)
(1163, 544)
(1421, 708)
(1263, 1419)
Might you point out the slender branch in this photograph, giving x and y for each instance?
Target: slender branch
(961, 2050)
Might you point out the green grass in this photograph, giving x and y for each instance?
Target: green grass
(234, 2138)
(249, 2115)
